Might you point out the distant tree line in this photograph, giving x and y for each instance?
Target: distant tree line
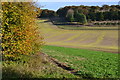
(94, 13)
(47, 13)
(85, 13)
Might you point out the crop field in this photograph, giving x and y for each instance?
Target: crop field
(101, 40)
(88, 28)
(87, 63)
(91, 53)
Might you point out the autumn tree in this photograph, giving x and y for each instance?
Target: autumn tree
(19, 31)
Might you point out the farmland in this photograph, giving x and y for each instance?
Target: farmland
(89, 52)
(88, 28)
(101, 40)
(87, 63)
(85, 55)
(77, 42)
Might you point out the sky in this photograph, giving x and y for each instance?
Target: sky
(77, 0)
(56, 5)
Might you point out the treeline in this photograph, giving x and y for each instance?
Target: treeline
(19, 32)
(92, 13)
(47, 13)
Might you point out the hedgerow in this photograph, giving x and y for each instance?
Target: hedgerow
(20, 35)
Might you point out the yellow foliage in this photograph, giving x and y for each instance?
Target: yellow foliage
(19, 32)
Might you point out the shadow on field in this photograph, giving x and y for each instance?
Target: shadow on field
(83, 75)
(9, 73)
(68, 68)
(65, 24)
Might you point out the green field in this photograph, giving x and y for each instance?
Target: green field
(87, 63)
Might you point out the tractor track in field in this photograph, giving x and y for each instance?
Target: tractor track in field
(97, 40)
(65, 67)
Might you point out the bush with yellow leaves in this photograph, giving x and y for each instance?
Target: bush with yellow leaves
(20, 34)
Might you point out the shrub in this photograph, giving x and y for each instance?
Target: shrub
(118, 23)
(113, 23)
(96, 23)
(19, 32)
(107, 23)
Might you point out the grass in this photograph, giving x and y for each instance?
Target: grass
(88, 63)
(33, 67)
(87, 28)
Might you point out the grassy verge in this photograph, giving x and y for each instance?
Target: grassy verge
(88, 63)
(33, 67)
(87, 28)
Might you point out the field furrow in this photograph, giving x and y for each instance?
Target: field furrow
(104, 40)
